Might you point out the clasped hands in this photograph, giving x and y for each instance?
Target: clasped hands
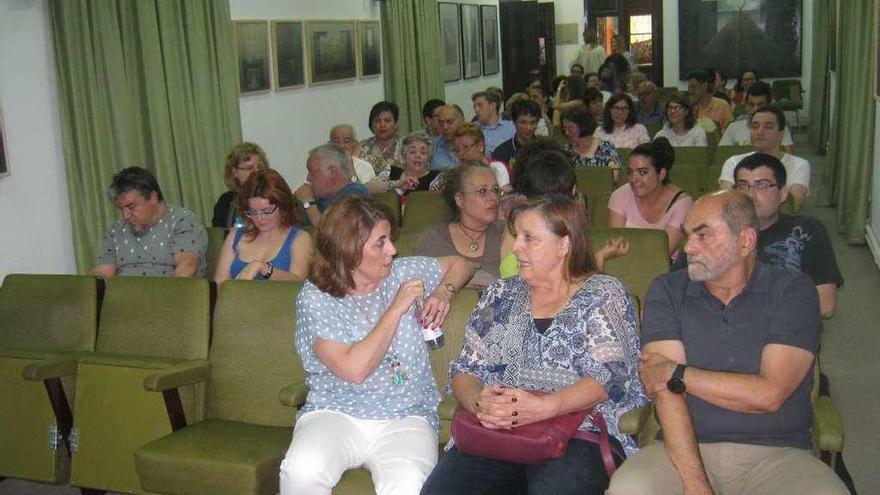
(498, 407)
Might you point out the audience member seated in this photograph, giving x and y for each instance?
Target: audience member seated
(745, 80)
(415, 176)
(717, 84)
(647, 200)
(243, 159)
(614, 73)
(448, 118)
(681, 127)
(619, 125)
(788, 241)
(542, 167)
(474, 232)
(649, 111)
(525, 115)
(270, 246)
(595, 104)
(329, 180)
(586, 149)
(429, 117)
(467, 144)
(576, 70)
(343, 135)
(372, 398)
(539, 96)
(705, 105)
(513, 100)
(569, 95)
(728, 352)
(384, 149)
(739, 132)
(559, 328)
(152, 239)
(591, 53)
(487, 109)
(768, 125)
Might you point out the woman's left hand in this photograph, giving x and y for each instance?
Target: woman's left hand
(253, 270)
(435, 308)
(515, 407)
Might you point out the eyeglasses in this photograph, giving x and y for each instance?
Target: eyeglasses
(761, 185)
(486, 191)
(674, 108)
(252, 214)
(617, 108)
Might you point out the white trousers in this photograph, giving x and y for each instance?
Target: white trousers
(399, 453)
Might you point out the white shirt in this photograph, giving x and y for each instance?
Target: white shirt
(363, 169)
(739, 133)
(501, 174)
(696, 136)
(797, 169)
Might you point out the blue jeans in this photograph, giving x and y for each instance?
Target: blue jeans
(580, 471)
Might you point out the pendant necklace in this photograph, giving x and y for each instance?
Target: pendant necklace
(398, 376)
(474, 245)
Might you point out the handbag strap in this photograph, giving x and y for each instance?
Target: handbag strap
(600, 438)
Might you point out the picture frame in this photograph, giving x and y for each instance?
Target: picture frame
(288, 54)
(471, 46)
(450, 34)
(369, 37)
(252, 43)
(330, 46)
(4, 159)
(489, 33)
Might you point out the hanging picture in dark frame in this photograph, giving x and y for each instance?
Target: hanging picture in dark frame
(252, 40)
(331, 51)
(288, 54)
(489, 29)
(369, 48)
(450, 34)
(733, 35)
(470, 40)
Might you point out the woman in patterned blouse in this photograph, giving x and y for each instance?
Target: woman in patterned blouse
(385, 149)
(560, 328)
(587, 150)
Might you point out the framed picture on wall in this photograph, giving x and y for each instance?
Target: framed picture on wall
(470, 40)
(331, 51)
(252, 40)
(489, 29)
(288, 54)
(369, 49)
(450, 33)
(4, 163)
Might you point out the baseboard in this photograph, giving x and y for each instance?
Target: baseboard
(873, 243)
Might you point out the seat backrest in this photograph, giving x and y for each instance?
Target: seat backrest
(453, 333)
(156, 316)
(252, 352)
(597, 208)
(216, 236)
(49, 312)
(691, 178)
(406, 241)
(594, 179)
(424, 208)
(692, 155)
(624, 159)
(722, 153)
(392, 201)
(647, 256)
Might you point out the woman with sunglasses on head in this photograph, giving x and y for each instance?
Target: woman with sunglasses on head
(270, 246)
(243, 160)
(681, 127)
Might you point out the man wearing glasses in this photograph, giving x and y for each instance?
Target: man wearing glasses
(788, 241)
(152, 239)
(649, 112)
(329, 180)
(768, 126)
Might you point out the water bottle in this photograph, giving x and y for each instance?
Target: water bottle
(433, 337)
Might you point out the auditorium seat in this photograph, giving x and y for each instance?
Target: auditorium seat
(423, 208)
(691, 178)
(392, 201)
(594, 179)
(692, 155)
(647, 256)
(216, 237)
(722, 153)
(597, 208)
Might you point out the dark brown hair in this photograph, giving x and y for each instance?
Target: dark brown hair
(267, 183)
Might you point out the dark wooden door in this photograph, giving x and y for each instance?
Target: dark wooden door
(527, 43)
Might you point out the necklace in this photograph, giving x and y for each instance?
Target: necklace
(398, 376)
(475, 244)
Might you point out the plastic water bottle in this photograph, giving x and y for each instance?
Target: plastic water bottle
(433, 336)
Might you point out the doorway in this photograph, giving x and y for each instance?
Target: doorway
(527, 43)
(639, 23)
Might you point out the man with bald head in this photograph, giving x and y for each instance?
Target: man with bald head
(448, 118)
(649, 112)
(727, 353)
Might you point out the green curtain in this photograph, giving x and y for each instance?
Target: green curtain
(822, 33)
(413, 64)
(151, 83)
(851, 154)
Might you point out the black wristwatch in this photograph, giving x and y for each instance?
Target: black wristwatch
(676, 383)
(270, 269)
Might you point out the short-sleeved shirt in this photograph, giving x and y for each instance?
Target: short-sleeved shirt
(349, 320)
(592, 336)
(696, 136)
(442, 157)
(436, 241)
(606, 155)
(797, 170)
(505, 151)
(739, 133)
(497, 134)
(800, 243)
(775, 307)
(624, 137)
(650, 118)
(382, 158)
(348, 190)
(718, 110)
(150, 253)
(623, 202)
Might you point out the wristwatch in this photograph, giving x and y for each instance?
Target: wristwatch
(676, 383)
(450, 288)
(308, 204)
(270, 269)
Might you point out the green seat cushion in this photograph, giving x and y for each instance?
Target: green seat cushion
(215, 456)
(355, 482)
(129, 361)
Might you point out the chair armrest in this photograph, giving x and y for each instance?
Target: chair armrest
(827, 426)
(633, 421)
(177, 376)
(50, 368)
(448, 407)
(294, 395)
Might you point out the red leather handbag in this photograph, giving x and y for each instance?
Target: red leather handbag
(532, 443)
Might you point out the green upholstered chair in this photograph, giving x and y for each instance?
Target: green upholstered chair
(216, 236)
(45, 322)
(722, 153)
(423, 209)
(238, 448)
(690, 177)
(788, 96)
(597, 208)
(406, 241)
(147, 325)
(392, 201)
(624, 159)
(692, 155)
(647, 256)
(594, 179)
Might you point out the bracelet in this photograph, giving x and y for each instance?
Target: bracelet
(270, 269)
(450, 287)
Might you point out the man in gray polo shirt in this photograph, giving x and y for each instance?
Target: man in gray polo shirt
(152, 238)
(728, 349)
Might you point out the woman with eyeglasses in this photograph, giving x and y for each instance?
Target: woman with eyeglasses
(586, 149)
(269, 246)
(468, 144)
(474, 231)
(681, 127)
(619, 124)
(243, 160)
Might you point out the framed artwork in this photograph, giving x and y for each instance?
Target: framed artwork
(489, 25)
(369, 49)
(470, 40)
(288, 55)
(4, 163)
(252, 40)
(450, 33)
(331, 51)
